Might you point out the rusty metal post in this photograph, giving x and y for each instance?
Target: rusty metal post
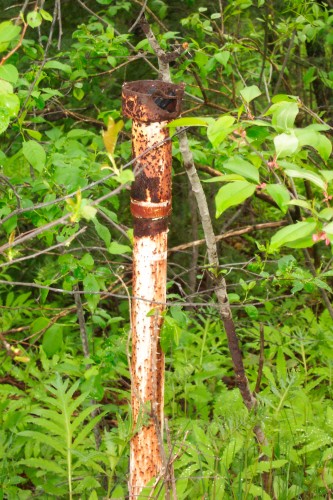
(151, 104)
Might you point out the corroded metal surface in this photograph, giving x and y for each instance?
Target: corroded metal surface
(152, 100)
(151, 104)
(149, 278)
(153, 170)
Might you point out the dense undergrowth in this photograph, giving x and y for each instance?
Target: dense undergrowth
(259, 106)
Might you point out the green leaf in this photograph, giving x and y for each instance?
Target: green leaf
(250, 93)
(118, 249)
(34, 19)
(311, 137)
(285, 145)
(6, 87)
(90, 284)
(327, 174)
(232, 194)
(302, 173)
(328, 228)
(284, 114)
(44, 438)
(125, 175)
(222, 57)
(280, 195)
(9, 73)
(11, 102)
(87, 211)
(8, 32)
(34, 154)
(218, 130)
(4, 119)
(52, 340)
(252, 311)
(242, 167)
(291, 234)
(66, 68)
(46, 15)
(102, 232)
(44, 465)
(326, 214)
(324, 147)
(300, 203)
(225, 178)
(194, 121)
(78, 93)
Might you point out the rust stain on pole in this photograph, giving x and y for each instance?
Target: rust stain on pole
(151, 104)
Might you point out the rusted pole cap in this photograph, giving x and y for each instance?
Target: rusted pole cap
(152, 100)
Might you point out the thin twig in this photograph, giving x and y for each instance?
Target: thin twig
(143, 8)
(261, 359)
(231, 234)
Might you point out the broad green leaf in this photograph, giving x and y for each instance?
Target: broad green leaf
(125, 175)
(194, 121)
(284, 114)
(328, 228)
(118, 493)
(6, 87)
(280, 195)
(11, 102)
(118, 249)
(110, 135)
(87, 211)
(250, 93)
(90, 284)
(78, 93)
(103, 232)
(252, 311)
(8, 32)
(35, 154)
(327, 174)
(45, 15)
(233, 194)
(324, 147)
(34, 19)
(302, 173)
(4, 119)
(311, 137)
(66, 68)
(222, 57)
(326, 214)
(285, 145)
(9, 73)
(219, 129)
(300, 203)
(291, 234)
(243, 168)
(79, 133)
(52, 340)
(33, 133)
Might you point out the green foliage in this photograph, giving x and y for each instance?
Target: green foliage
(258, 111)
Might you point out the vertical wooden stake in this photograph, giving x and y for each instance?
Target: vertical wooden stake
(151, 104)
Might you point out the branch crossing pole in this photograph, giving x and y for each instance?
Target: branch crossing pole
(151, 104)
